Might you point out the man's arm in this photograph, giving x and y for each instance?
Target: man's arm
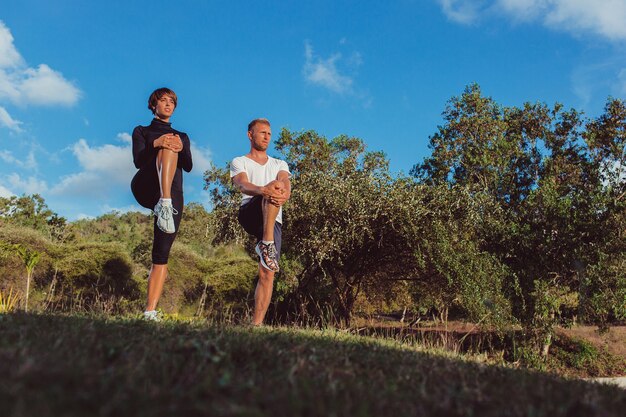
(268, 191)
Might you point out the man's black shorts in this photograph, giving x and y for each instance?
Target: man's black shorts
(251, 219)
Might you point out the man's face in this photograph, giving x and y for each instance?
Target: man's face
(165, 107)
(260, 136)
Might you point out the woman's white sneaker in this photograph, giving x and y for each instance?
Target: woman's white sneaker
(164, 212)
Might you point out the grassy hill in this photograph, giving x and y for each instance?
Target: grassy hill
(80, 366)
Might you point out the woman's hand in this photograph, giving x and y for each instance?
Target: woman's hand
(169, 141)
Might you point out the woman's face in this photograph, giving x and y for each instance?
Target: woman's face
(165, 107)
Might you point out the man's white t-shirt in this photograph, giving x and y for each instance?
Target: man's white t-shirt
(258, 174)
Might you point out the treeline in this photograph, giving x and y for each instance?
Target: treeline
(516, 219)
(518, 216)
(101, 265)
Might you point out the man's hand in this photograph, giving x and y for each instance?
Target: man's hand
(280, 200)
(275, 193)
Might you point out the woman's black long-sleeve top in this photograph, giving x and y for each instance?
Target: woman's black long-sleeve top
(144, 152)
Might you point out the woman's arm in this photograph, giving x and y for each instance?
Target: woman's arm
(141, 148)
(184, 157)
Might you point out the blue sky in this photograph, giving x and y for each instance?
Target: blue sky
(75, 77)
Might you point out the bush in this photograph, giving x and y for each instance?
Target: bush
(95, 272)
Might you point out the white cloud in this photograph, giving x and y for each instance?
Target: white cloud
(614, 173)
(23, 85)
(462, 11)
(105, 169)
(108, 159)
(7, 121)
(604, 18)
(9, 57)
(106, 209)
(125, 137)
(83, 184)
(621, 82)
(133, 207)
(7, 156)
(30, 185)
(4, 192)
(324, 72)
(522, 9)
(201, 160)
(30, 163)
(45, 86)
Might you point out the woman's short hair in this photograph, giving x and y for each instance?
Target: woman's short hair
(156, 96)
(257, 121)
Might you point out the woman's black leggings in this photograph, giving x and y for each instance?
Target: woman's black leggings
(145, 188)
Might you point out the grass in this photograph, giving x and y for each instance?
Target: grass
(8, 301)
(570, 355)
(55, 365)
(578, 357)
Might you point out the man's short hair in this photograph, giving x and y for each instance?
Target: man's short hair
(156, 96)
(256, 122)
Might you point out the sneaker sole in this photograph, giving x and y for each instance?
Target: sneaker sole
(165, 231)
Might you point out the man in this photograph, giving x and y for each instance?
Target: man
(264, 182)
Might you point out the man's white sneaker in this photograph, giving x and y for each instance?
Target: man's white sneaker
(164, 211)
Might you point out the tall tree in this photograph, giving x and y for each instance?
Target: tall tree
(549, 176)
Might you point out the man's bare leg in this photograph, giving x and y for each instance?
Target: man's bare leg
(270, 212)
(265, 285)
(158, 273)
(262, 295)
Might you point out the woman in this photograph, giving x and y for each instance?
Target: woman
(160, 153)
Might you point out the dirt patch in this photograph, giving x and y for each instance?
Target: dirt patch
(614, 341)
(581, 351)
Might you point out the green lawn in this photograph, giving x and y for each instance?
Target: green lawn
(79, 366)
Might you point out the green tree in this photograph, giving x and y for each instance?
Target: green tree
(357, 232)
(551, 180)
(196, 229)
(32, 211)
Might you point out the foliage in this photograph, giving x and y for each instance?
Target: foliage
(90, 272)
(32, 212)
(559, 182)
(12, 265)
(581, 358)
(517, 217)
(130, 229)
(355, 235)
(30, 259)
(603, 291)
(196, 229)
(226, 199)
(8, 302)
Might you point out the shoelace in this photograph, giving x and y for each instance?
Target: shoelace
(166, 212)
(271, 250)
